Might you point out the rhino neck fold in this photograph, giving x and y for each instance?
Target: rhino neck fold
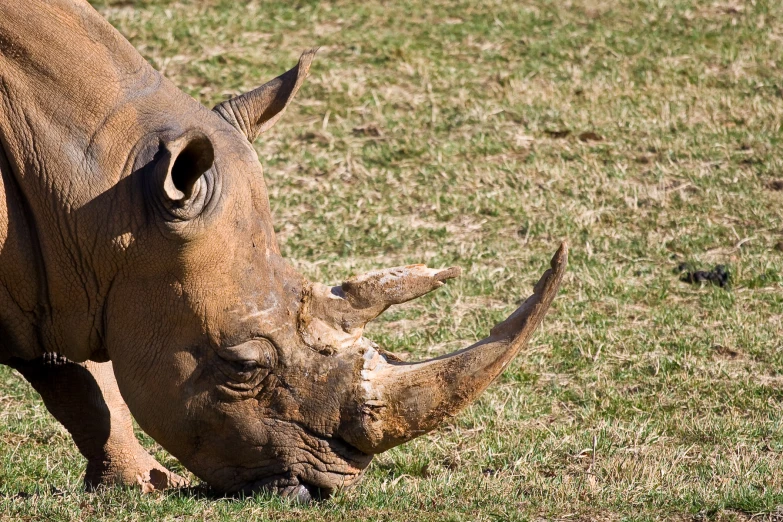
(23, 297)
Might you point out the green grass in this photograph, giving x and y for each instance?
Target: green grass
(642, 397)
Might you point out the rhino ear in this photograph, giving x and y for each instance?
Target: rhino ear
(182, 163)
(258, 110)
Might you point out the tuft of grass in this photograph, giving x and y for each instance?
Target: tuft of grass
(480, 134)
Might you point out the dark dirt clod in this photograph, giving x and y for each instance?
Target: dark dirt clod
(590, 136)
(775, 184)
(719, 275)
(726, 351)
(560, 133)
(370, 129)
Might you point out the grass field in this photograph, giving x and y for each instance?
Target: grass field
(647, 133)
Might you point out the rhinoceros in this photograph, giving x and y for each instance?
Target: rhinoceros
(140, 275)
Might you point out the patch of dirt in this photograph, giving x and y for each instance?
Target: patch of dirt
(729, 9)
(725, 351)
(562, 133)
(590, 136)
(775, 184)
(369, 129)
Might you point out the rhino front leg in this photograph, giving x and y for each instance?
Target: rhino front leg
(84, 397)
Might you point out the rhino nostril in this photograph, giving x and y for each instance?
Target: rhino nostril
(316, 493)
(306, 493)
(300, 494)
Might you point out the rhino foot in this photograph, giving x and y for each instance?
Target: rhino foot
(141, 470)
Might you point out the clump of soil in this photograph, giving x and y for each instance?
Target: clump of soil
(719, 275)
(775, 184)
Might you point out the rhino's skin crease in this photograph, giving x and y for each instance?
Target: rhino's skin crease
(139, 267)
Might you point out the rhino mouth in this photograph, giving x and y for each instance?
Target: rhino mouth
(330, 463)
(303, 493)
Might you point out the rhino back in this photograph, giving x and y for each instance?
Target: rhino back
(73, 90)
(79, 107)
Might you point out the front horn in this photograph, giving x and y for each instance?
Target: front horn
(400, 401)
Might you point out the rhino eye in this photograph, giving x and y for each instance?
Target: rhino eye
(243, 368)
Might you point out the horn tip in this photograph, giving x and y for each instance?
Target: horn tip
(448, 273)
(560, 259)
(537, 304)
(307, 56)
(549, 284)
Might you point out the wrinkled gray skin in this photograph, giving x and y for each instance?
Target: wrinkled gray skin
(139, 266)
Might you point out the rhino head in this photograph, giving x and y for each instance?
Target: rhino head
(252, 376)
